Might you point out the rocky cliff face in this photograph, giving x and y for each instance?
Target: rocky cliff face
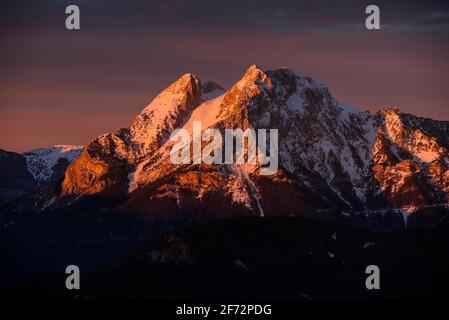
(410, 160)
(106, 162)
(332, 157)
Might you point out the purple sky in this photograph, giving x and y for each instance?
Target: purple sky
(66, 87)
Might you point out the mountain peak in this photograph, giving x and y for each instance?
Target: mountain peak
(345, 158)
(188, 77)
(256, 74)
(253, 68)
(188, 82)
(168, 110)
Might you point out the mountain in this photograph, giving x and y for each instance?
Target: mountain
(333, 159)
(387, 170)
(47, 163)
(23, 174)
(15, 179)
(94, 205)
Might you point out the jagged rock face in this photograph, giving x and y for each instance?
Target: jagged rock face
(106, 162)
(332, 157)
(15, 179)
(323, 144)
(93, 172)
(166, 112)
(194, 192)
(411, 159)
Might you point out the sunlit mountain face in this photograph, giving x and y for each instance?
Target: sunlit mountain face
(380, 169)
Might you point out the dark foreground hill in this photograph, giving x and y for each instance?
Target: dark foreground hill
(275, 258)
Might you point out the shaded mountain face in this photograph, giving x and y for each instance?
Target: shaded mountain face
(40, 171)
(15, 179)
(332, 157)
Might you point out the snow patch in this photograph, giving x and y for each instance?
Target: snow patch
(40, 162)
(240, 169)
(207, 113)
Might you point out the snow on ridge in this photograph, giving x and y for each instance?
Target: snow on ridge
(343, 124)
(348, 108)
(207, 113)
(67, 151)
(40, 162)
(242, 171)
(424, 148)
(131, 181)
(163, 112)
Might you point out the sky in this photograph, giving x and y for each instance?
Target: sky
(66, 87)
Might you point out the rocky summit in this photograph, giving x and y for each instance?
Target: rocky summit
(333, 158)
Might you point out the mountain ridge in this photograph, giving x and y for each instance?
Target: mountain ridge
(332, 157)
(24, 173)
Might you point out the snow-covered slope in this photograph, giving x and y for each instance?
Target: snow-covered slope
(41, 162)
